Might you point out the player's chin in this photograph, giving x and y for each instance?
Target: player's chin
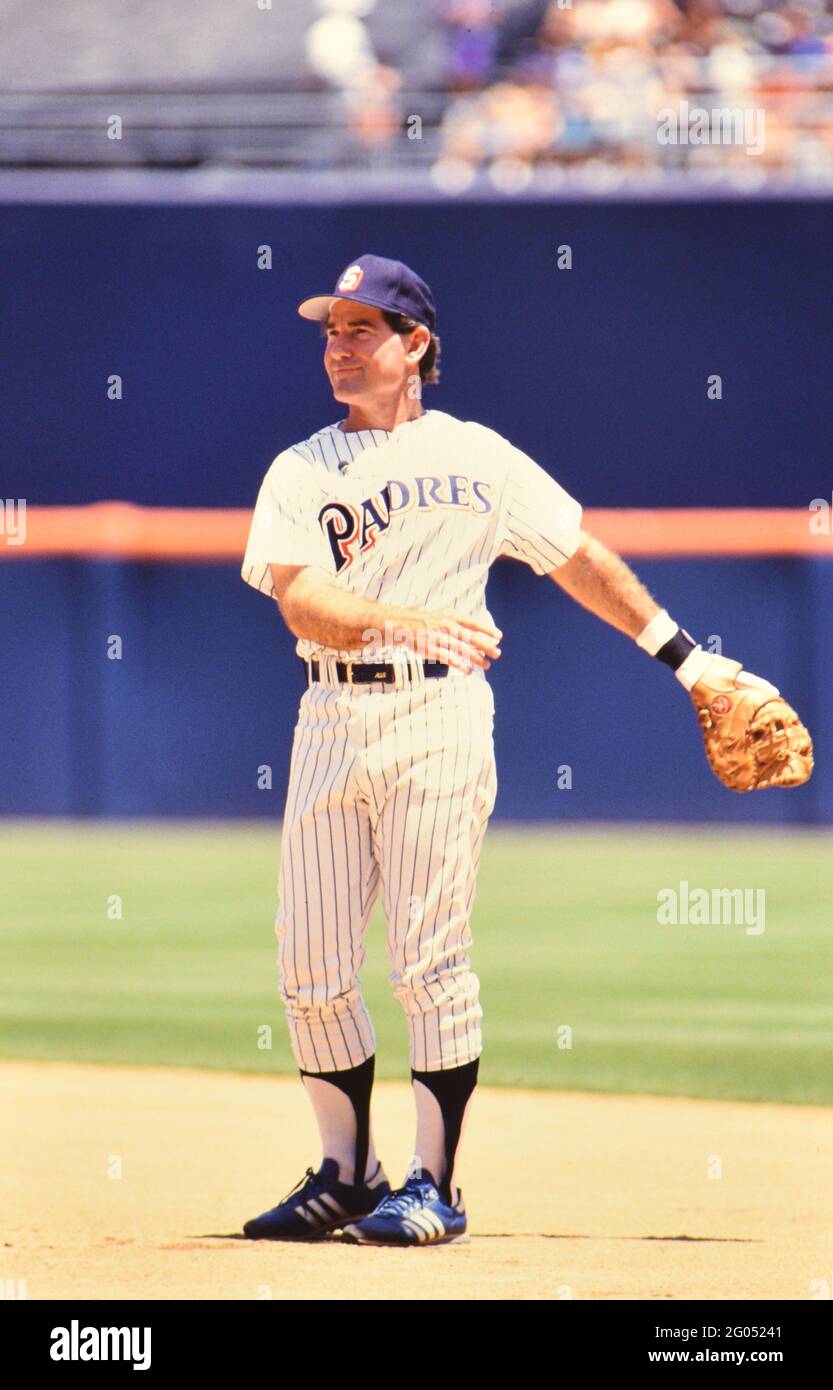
(347, 385)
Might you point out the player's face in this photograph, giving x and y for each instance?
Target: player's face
(364, 357)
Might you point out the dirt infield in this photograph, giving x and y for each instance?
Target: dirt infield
(569, 1195)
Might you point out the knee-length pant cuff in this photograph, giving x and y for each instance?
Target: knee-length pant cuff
(332, 1037)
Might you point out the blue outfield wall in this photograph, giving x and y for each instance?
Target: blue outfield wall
(208, 684)
(599, 372)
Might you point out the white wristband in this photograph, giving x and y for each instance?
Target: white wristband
(658, 631)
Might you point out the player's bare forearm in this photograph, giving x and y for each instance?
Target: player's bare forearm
(600, 581)
(316, 609)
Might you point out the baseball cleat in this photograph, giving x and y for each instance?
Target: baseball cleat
(411, 1215)
(319, 1203)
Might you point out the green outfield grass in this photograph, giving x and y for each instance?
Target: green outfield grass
(566, 933)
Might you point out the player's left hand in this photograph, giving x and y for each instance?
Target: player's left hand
(753, 738)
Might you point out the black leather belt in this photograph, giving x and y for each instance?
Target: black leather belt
(371, 672)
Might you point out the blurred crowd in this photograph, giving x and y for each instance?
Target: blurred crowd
(582, 84)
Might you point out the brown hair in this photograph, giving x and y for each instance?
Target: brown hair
(429, 362)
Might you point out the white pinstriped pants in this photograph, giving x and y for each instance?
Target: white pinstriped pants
(388, 789)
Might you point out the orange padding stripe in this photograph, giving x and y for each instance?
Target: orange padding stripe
(124, 531)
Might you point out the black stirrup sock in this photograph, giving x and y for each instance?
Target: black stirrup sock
(452, 1090)
(357, 1084)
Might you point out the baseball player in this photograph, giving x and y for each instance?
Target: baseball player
(375, 536)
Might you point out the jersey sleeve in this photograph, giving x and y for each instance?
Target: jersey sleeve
(284, 528)
(541, 522)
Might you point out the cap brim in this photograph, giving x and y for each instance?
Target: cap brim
(316, 308)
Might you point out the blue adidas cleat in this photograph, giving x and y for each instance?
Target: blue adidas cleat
(319, 1203)
(411, 1215)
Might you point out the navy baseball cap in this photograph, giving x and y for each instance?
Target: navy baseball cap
(381, 283)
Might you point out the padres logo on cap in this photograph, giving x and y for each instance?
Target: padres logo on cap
(351, 279)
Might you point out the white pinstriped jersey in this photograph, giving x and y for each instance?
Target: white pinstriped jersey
(413, 517)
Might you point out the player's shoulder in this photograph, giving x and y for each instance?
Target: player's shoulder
(452, 425)
(473, 435)
(308, 457)
(316, 448)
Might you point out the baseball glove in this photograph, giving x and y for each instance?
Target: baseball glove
(753, 738)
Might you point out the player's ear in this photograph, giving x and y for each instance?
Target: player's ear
(420, 340)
